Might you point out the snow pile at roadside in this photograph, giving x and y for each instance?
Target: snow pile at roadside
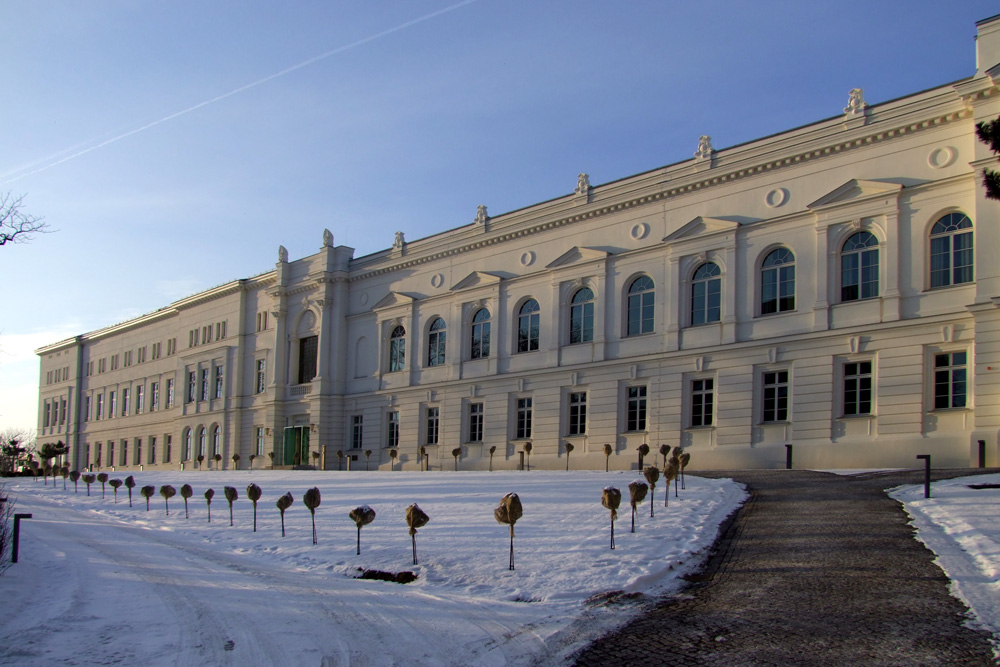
(465, 604)
(960, 524)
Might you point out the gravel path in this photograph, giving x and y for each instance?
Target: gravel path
(815, 569)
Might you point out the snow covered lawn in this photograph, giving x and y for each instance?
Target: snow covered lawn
(962, 526)
(100, 582)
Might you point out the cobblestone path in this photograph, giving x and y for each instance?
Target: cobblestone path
(815, 569)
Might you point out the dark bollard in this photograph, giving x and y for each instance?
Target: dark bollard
(522, 461)
(17, 535)
(982, 453)
(927, 474)
(788, 457)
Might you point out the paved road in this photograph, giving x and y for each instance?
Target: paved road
(815, 569)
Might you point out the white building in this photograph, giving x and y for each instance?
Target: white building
(833, 287)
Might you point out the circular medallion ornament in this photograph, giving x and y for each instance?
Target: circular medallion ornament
(437, 280)
(940, 158)
(528, 258)
(363, 298)
(640, 231)
(776, 197)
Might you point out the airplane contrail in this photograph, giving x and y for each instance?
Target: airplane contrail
(235, 91)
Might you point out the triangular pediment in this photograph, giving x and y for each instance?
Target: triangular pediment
(476, 279)
(701, 226)
(393, 299)
(575, 255)
(856, 190)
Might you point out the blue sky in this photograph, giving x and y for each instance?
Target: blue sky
(119, 125)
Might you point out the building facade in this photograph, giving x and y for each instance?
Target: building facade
(832, 287)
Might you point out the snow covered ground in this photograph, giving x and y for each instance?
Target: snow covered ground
(103, 583)
(960, 524)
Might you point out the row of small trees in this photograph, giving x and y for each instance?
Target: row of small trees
(673, 471)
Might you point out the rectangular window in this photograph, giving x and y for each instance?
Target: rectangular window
(137, 455)
(262, 320)
(775, 390)
(392, 429)
(261, 376)
(577, 413)
(152, 450)
(124, 454)
(949, 380)
(308, 349)
(102, 365)
(112, 405)
(475, 422)
(260, 441)
(110, 460)
(141, 354)
(125, 405)
(128, 359)
(86, 408)
(523, 430)
(62, 412)
(154, 396)
(100, 406)
(97, 454)
(90, 368)
(218, 382)
(139, 395)
(858, 388)
(48, 411)
(170, 393)
(192, 386)
(635, 418)
(204, 384)
(171, 346)
(702, 398)
(433, 425)
(168, 442)
(357, 431)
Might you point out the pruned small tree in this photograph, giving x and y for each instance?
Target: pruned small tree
(130, 484)
(311, 499)
(201, 461)
(270, 455)
(236, 461)
(253, 493)
(508, 512)
(147, 493)
(315, 458)
(167, 492)
(88, 480)
(607, 456)
(64, 471)
(102, 477)
(209, 494)
(652, 475)
(74, 477)
(569, 448)
(252, 458)
(684, 458)
(611, 498)
(368, 455)
(415, 518)
(340, 458)
(669, 475)
(423, 456)
(393, 453)
(115, 483)
(527, 453)
(362, 516)
(664, 451)
(186, 492)
(284, 502)
(643, 450)
(231, 496)
(218, 461)
(457, 453)
(637, 493)
(493, 450)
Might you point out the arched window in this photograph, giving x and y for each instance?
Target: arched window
(481, 334)
(188, 443)
(436, 340)
(706, 294)
(216, 441)
(951, 251)
(202, 441)
(397, 349)
(581, 316)
(640, 306)
(528, 320)
(859, 267)
(777, 282)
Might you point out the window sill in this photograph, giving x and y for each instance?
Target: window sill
(948, 287)
(870, 415)
(778, 314)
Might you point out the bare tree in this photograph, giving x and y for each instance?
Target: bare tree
(17, 226)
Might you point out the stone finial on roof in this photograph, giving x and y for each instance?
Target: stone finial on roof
(282, 254)
(582, 184)
(327, 238)
(481, 215)
(855, 102)
(705, 149)
(399, 241)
